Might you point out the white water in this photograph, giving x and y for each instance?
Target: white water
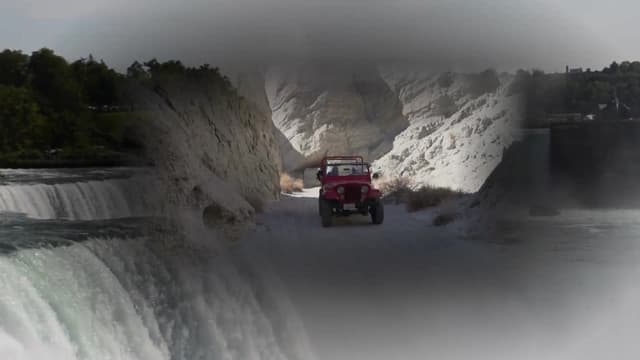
(120, 299)
(104, 199)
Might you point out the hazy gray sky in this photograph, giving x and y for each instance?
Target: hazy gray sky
(460, 34)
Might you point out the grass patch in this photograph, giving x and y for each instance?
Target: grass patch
(290, 184)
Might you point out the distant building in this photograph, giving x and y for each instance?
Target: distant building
(577, 70)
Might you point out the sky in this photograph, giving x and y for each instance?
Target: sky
(457, 34)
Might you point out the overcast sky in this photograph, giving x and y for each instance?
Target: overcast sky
(505, 34)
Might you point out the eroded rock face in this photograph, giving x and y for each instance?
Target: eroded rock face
(460, 126)
(211, 149)
(443, 129)
(332, 110)
(251, 85)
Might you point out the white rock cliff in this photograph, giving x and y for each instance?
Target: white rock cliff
(442, 129)
(333, 110)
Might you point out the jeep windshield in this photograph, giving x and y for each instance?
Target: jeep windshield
(346, 167)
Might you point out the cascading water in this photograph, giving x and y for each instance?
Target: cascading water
(116, 299)
(83, 292)
(74, 201)
(80, 195)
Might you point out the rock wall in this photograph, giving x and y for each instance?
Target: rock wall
(426, 96)
(335, 110)
(457, 133)
(443, 129)
(251, 85)
(211, 149)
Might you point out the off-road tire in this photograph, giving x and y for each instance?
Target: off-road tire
(377, 213)
(326, 214)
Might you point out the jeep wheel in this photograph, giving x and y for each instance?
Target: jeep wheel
(326, 214)
(377, 213)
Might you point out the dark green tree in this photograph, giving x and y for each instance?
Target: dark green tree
(136, 71)
(13, 68)
(21, 124)
(53, 83)
(612, 69)
(99, 83)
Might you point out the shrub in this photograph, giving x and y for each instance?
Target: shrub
(396, 190)
(428, 196)
(289, 184)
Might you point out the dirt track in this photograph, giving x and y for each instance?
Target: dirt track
(408, 290)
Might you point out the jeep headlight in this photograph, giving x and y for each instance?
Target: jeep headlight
(364, 189)
(340, 190)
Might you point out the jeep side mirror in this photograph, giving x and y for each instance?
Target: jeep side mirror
(375, 176)
(319, 175)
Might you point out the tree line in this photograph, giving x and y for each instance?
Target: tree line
(612, 93)
(52, 108)
(87, 110)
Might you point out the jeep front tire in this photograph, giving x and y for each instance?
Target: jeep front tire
(326, 214)
(377, 212)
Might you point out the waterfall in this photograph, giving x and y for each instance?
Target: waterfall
(124, 299)
(101, 199)
(156, 293)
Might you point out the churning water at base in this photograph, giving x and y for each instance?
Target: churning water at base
(74, 290)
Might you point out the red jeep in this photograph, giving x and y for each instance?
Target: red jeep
(346, 189)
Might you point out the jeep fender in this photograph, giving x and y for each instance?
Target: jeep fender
(330, 195)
